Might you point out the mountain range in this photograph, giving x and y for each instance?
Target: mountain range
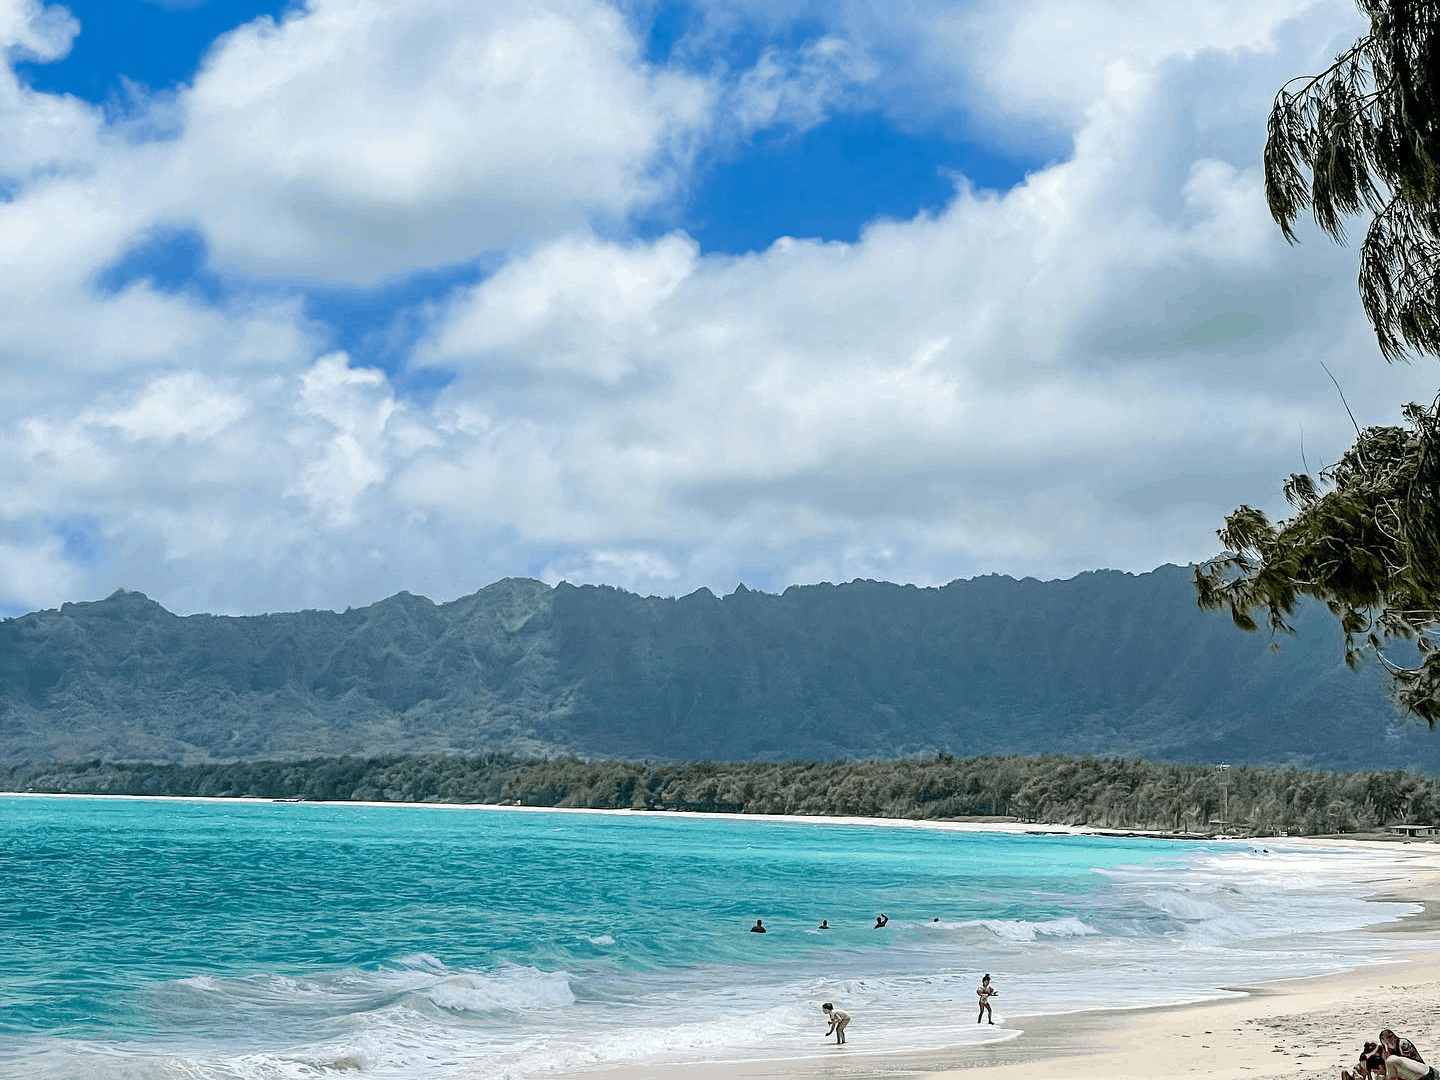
(1105, 663)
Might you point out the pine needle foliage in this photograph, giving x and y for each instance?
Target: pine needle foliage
(1361, 137)
(1368, 547)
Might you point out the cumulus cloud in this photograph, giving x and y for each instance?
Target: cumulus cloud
(194, 474)
(577, 306)
(1049, 59)
(357, 138)
(1084, 371)
(33, 574)
(39, 133)
(343, 450)
(32, 30)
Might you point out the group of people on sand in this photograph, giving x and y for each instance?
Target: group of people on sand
(1390, 1058)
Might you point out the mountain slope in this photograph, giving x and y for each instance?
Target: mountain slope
(1104, 663)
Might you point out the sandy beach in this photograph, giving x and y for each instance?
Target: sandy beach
(1302, 1029)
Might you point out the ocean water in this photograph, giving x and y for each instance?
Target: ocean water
(146, 938)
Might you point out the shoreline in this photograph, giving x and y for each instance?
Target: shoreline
(1301, 1029)
(980, 823)
(1296, 1029)
(1288, 1029)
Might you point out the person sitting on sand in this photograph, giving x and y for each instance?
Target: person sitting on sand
(1398, 1067)
(839, 1020)
(1359, 1071)
(881, 920)
(985, 992)
(1395, 1045)
(758, 928)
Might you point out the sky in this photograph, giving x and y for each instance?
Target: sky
(308, 303)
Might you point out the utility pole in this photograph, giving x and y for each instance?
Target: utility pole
(1224, 771)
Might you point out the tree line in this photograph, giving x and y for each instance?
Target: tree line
(1107, 793)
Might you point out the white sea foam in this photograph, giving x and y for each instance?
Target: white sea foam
(510, 989)
(1027, 930)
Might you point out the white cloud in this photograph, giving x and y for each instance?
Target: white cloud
(1086, 371)
(184, 406)
(575, 306)
(32, 30)
(40, 133)
(33, 574)
(1051, 58)
(624, 569)
(344, 452)
(1012, 384)
(798, 88)
(357, 138)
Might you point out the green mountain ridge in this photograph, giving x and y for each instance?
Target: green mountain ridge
(1105, 663)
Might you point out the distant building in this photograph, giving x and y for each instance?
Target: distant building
(1414, 830)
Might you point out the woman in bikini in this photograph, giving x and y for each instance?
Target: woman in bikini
(985, 992)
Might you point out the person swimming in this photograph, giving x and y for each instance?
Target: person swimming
(758, 928)
(880, 920)
(824, 924)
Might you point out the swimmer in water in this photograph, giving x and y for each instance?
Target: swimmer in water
(758, 928)
(881, 920)
(824, 924)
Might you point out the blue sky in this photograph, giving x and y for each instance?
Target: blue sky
(314, 302)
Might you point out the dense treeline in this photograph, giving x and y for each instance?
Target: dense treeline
(1104, 793)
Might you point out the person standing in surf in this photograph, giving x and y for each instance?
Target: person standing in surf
(839, 1020)
(985, 992)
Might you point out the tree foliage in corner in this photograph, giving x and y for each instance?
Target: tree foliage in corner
(1361, 137)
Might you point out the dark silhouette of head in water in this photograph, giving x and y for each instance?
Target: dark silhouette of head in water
(824, 924)
(881, 920)
(758, 928)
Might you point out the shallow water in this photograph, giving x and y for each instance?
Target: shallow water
(200, 939)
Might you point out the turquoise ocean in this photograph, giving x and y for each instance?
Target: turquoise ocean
(234, 940)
